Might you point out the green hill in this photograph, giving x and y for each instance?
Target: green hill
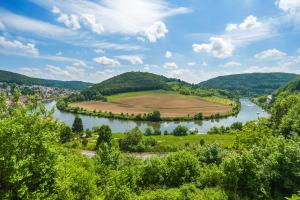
(10, 77)
(252, 84)
(131, 82)
(292, 87)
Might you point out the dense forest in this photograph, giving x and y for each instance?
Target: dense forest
(10, 77)
(252, 84)
(36, 161)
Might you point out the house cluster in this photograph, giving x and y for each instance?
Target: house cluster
(40, 92)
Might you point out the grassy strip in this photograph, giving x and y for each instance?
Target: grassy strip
(168, 143)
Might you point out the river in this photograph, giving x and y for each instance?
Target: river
(249, 111)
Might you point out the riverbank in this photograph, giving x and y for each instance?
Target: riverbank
(247, 113)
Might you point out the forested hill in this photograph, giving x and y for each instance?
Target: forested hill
(10, 77)
(131, 81)
(252, 84)
(291, 88)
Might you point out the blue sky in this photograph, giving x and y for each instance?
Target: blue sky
(194, 40)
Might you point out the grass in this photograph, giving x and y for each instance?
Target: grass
(225, 141)
(220, 100)
(170, 142)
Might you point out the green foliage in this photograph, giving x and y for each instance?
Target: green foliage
(285, 115)
(263, 163)
(198, 116)
(27, 159)
(77, 126)
(66, 134)
(210, 154)
(180, 131)
(10, 77)
(253, 84)
(154, 116)
(76, 178)
(133, 141)
(242, 175)
(225, 130)
(183, 167)
(105, 136)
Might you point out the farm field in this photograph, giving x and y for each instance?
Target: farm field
(170, 104)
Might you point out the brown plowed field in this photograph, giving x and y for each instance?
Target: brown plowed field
(169, 105)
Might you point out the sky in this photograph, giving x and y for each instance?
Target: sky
(194, 40)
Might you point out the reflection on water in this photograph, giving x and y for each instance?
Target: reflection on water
(249, 111)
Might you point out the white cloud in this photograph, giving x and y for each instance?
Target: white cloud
(235, 35)
(194, 76)
(232, 64)
(231, 27)
(131, 17)
(291, 6)
(191, 64)
(170, 65)
(20, 24)
(2, 27)
(204, 64)
(70, 21)
(156, 31)
(250, 23)
(219, 47)
(270, 54)
(266, 69)
(92, 23)
(109, 45)
(288, 64)
(251, 29)
(168, 54)
(76, 71)
(135, 60)
(292, 10)
(18, 48)
(107, 61)
(147, 67)
(141, 39)
(40, 28)
(99, 51)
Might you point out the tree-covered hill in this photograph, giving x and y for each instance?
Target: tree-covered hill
(129, 82)
(250, 84)
(10, 77)
(292, 87)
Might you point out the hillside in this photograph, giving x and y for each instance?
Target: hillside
(252, 84)
(130, 82)
(10, 77)
(292, 87)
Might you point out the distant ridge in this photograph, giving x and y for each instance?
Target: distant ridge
(250, 84)
(11, 77)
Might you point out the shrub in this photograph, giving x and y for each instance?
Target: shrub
(133, 141)
(182, 167)
(180, 131)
